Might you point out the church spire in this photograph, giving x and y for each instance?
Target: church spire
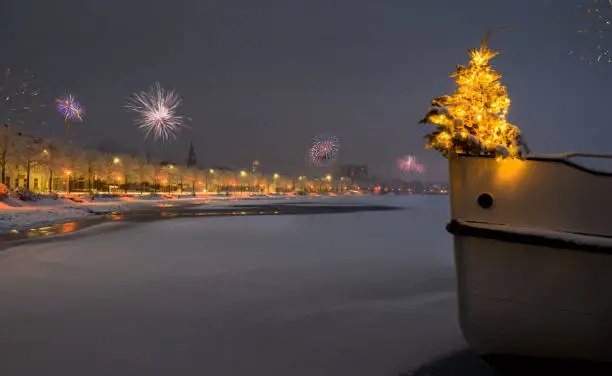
(192, 159)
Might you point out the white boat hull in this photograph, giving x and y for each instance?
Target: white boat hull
(533, 300)
(534, 285)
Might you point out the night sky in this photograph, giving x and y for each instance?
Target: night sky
(260, 78)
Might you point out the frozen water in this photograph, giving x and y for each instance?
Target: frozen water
(367, 293)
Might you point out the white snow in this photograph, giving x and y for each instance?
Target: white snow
(16, 215)
(367, 293)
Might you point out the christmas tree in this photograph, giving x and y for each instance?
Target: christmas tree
(473, 119)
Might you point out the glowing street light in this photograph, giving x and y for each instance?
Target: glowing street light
(328, 178)
(211, 171)
(116, 160)
(243, 173)
(276, 176)
(68, 173)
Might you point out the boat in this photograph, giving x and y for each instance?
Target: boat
(533, 255)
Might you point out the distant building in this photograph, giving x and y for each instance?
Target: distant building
(355, 172)
(192, 159)
(437, 188)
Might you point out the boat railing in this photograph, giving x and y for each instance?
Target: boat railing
(570, 160)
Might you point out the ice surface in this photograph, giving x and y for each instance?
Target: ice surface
(367, 293)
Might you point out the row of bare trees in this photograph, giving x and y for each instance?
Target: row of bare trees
(68, 167)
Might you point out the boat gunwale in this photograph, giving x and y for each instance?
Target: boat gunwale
(560, 158)
(512, 234)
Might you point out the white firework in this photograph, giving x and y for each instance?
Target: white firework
(156, 110)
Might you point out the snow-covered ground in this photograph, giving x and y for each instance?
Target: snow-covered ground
(366, 293)
(17, 215)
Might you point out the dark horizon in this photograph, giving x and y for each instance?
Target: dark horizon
(259, 81)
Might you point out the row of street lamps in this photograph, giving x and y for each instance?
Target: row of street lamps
(243, 173)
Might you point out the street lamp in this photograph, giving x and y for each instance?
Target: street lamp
(210, 172)
(68, 173)
(276, 176)
(243, 173)
(117, 161)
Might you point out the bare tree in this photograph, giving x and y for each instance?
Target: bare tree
(28, 152)
(6, 142)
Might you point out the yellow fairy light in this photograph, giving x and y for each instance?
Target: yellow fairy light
(478, 109)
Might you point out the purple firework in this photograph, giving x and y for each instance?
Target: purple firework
(324, 150)
(408, 164)
(70, 108)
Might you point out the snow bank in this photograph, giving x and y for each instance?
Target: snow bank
(17, 215)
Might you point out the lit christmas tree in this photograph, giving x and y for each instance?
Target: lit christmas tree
(473, 120)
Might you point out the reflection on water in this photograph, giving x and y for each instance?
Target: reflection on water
(62, 228)
(165, 205)
(40, 232)
(117, 216)
(69, 227)
(168, 211)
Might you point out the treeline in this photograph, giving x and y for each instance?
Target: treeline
(51, 165)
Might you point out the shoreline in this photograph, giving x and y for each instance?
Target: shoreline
(86, 226)
(18, 216)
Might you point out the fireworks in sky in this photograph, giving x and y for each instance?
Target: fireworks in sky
(599, 29)
(156, 110)
(324, 151)
(409, 165)
(18, 95)
(70, 109)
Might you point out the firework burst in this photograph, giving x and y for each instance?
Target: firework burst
(70, 109)
(408, 165)
(599, 27)
(18, 95)
(156, 110)
(324, 151)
